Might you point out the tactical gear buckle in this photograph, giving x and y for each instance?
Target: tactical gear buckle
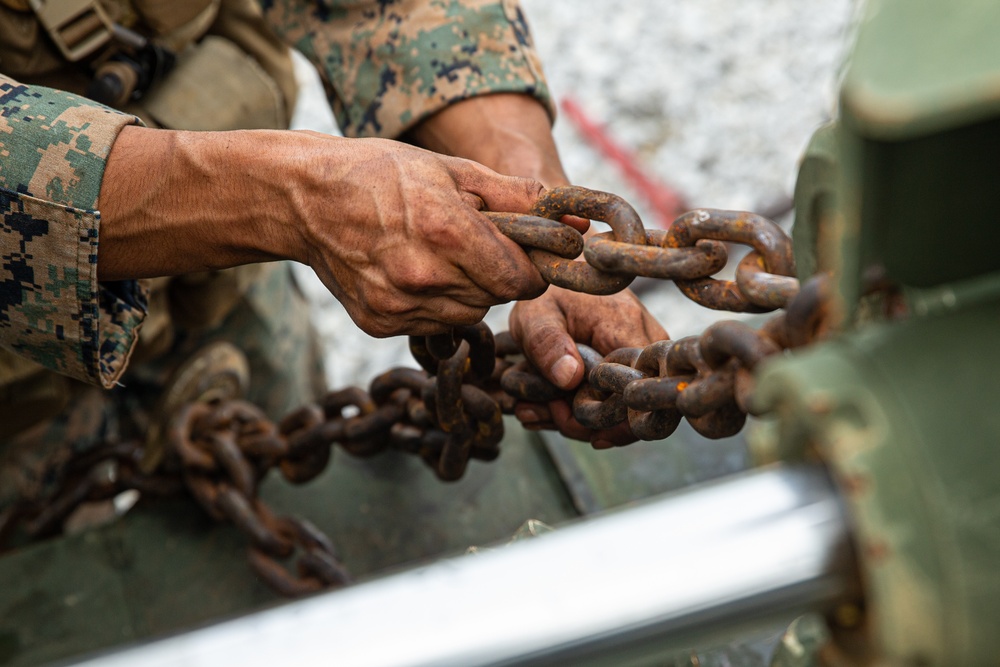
(77, 27)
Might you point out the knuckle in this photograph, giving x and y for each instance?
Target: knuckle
(440, 229)
(416, 277)
(519, 284)
(388, 306)
(469, 316)
(531, 188)
(427, 328)
(379, 327)
(619, 322)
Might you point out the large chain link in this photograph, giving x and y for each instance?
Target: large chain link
(450, 411)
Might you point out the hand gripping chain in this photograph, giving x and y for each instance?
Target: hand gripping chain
(450, 411)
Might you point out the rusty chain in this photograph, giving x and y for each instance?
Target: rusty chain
(450, 411)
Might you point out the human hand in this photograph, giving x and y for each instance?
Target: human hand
(512, 134)
(548, 328)
(395, 233)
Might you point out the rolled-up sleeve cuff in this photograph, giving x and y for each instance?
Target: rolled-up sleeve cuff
(441, 54)
(54, 147)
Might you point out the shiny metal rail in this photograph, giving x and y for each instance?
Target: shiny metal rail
(687, 568)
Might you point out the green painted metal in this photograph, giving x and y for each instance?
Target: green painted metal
(815, 201)
(917, 146)
(923, 66)
(903, 412)
(903, 184)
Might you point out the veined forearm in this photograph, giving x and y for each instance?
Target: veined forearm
(394, 232)
(179, 202)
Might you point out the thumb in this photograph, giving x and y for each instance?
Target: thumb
(511, 194)
(546, 343)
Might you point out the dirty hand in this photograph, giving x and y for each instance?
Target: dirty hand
(398, 237)
(512, 134)
(547, 329)
(393, 231)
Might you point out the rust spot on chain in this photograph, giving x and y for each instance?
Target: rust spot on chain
(575, 275)
(763, 289)
(655, 259)
(535, 232)
(766, 237)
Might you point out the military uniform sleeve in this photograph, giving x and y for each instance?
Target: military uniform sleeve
(53, 150)
(388, 64)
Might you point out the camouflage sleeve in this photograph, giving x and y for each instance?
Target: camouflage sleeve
(53, 149)
(388, 64)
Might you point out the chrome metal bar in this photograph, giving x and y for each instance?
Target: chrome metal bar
(685, 568)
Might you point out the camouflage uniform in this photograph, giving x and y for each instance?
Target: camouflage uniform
(386, 65)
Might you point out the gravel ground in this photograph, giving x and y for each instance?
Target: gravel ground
(717, 98)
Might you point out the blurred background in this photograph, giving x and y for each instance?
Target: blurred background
(712, 99)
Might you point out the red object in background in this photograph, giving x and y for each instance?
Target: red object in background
(664, 200)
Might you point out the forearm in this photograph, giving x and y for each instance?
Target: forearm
(393, 231)
(180, 202)
(510, 133)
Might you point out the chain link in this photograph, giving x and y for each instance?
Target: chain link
(450, 410)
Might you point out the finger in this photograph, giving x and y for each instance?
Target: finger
(474, 201)
(500, 193)
(534, 416)
(539, 427)
(617, 436)
(465, 260)
(654, 330)
(541, 331)
(498, 265)
(410, 316)
(562, 415)
(615, 322)
(418, 284)
(579, 224)
(422, 327)
(528, 412)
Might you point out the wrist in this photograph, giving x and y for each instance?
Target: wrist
(509, 133)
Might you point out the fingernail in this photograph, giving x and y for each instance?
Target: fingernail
(564, 369)
(601, 444)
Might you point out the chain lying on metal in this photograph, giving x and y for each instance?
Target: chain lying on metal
(450, 411)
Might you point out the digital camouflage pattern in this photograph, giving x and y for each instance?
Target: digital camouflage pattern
(387, 64)
(53, 148)
(269, 323)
